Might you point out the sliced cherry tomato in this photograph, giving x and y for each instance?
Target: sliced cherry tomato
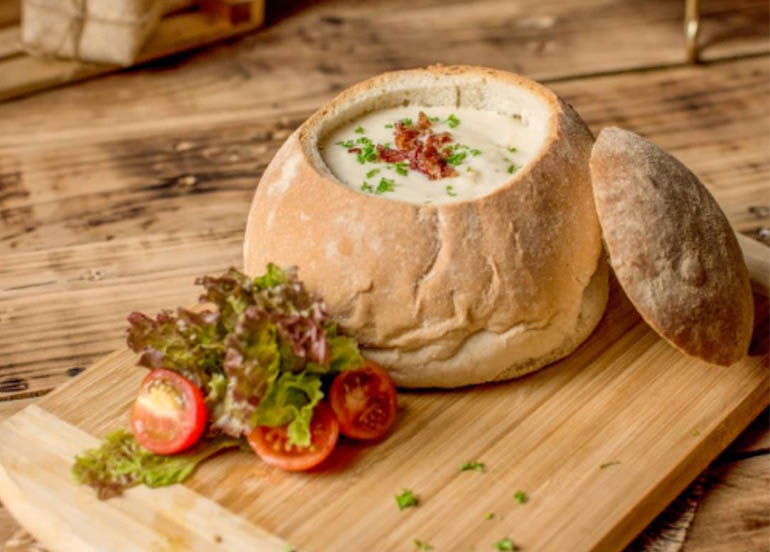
(364, 401)
(272, 443)
(169, 414)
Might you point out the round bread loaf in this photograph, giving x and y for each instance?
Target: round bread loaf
(449, 294)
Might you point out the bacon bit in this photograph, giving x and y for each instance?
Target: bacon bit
(354, 150)
(390, 155)
(423, 122)
(405, 136)
(427, 157)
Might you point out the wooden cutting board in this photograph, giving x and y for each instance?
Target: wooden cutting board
(600, 442)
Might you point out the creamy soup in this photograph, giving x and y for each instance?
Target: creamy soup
(448, 155)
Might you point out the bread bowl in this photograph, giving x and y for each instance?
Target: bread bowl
(475, 288)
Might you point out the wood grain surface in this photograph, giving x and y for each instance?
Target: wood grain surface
(141, 180)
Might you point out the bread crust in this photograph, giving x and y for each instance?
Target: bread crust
(672, 248)
(448, 294)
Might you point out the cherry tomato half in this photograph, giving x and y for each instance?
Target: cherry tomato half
(169, 414)
(364, 401)
(272, 443)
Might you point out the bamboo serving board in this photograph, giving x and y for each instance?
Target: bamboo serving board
(600, 441)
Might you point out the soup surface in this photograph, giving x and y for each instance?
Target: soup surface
(431, 154)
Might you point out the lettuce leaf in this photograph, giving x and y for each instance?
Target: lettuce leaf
(345, 354)
(120, 462)
(251, 364)
(291, 400)
(273, 276)
(231, 293)
(189, 343)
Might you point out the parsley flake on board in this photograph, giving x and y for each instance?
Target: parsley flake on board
(521, 497)
(512, 149)
(359, 130)
(422, 545)
(452, 121)
(385, 185)
(406, 499)
(512, 169)
(473, 465)
(608, 464)
(506, 545)
(372, 173)
(489, 516)
(366, 187)
(450, 190)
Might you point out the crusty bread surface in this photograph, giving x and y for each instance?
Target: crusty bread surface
(449, 294)
(672, 248)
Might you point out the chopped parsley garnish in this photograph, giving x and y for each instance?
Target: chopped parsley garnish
(347, 144)
(386, 145)
(512, 149)
(450, 190)
(359, 130)
(406, 499)
(608, 464)
(366, 187)
(512, 169)
(521, 497)
(452, 121)
(422, 545)
(406, 122)
(363, 140)
(389, 125)
(372, 173)
(434, 119)
(506, 545)
(469, 169)
(368, 153)
(385, 185)
(475, 152)
(470, 464)
(489, 516)
(401, 168)
(456, 158)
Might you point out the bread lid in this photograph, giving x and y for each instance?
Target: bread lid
(671, 247)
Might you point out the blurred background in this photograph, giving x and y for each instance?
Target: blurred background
(133, 134)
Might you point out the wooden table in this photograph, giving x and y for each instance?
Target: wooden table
(115, 193)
